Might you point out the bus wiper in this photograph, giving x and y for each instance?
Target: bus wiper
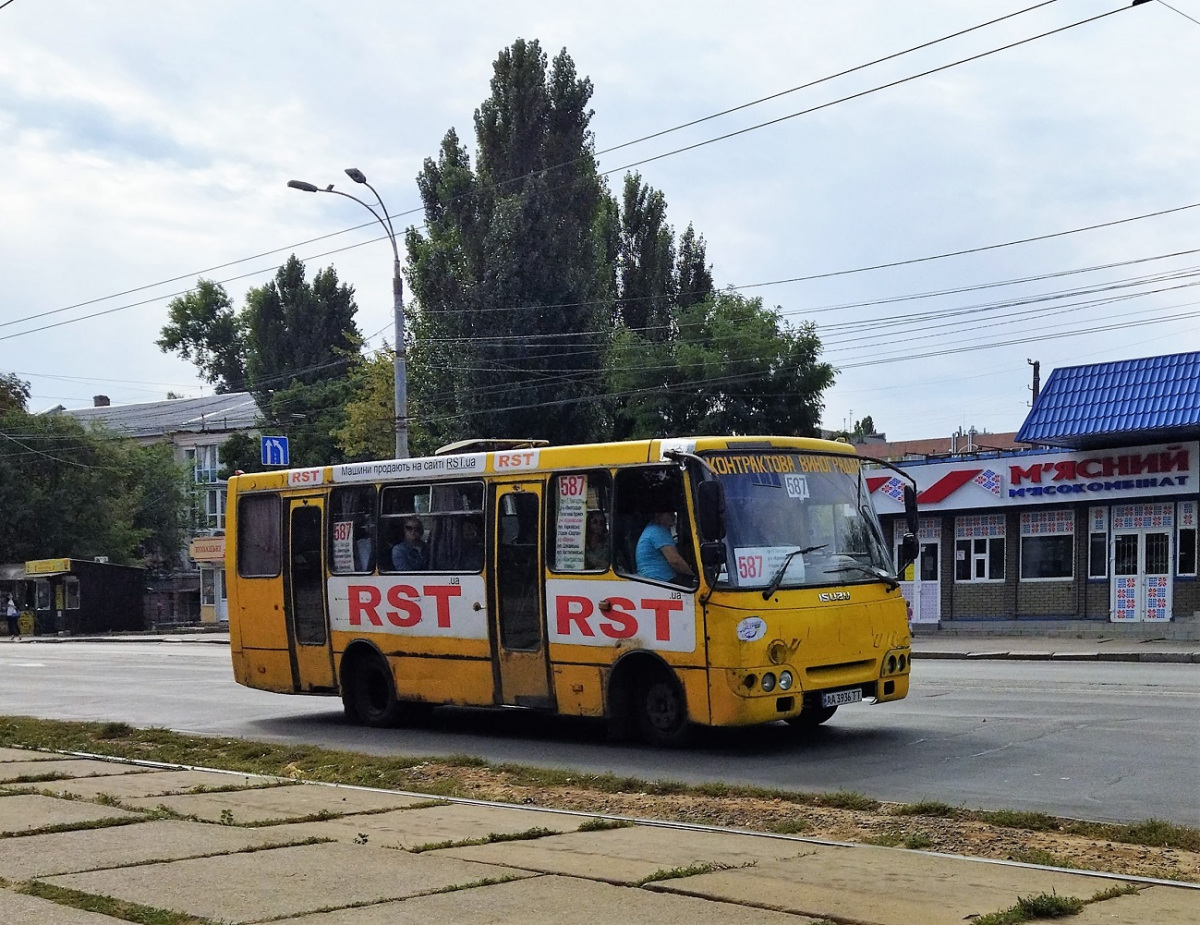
(777, 580)
(873, 570)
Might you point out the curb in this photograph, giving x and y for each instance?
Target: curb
(1176, 658)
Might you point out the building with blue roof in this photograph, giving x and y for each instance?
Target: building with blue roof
(1090, 525)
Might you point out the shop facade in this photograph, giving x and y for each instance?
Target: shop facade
(1092, 517)
(80, 597)
(1101, 536)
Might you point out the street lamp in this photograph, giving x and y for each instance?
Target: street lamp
(385, 220)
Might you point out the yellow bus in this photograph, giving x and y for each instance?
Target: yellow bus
(659, 584)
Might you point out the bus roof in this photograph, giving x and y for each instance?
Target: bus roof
(524, 458)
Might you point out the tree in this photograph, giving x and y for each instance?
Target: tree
(734, 368)
(368, 429)
(293, 345)
(509, 323)
(66, 491)
(205, 329)
(14, 393)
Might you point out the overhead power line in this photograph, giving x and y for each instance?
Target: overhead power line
(922, 46)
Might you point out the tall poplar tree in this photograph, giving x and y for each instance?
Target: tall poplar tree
(510, 275)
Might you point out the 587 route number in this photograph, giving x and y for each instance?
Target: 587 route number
(750, 566)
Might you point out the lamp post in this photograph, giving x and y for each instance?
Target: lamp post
(385, 220)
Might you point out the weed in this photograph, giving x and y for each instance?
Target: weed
(603, 825)
(917, 841)
(789, 826)
(675, 873)
(107, 905)
(114, 731)
(227, 817)
(489, 839)
(1015, 819)
(928, 808)
(1042, 858)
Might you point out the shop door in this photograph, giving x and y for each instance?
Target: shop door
(222, 597)
(304, 597)
(920, 582)
(1141, 568)
(518, 591)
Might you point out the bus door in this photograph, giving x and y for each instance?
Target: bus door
(522, 666)
(304, 597)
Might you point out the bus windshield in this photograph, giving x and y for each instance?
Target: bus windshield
(798, 520)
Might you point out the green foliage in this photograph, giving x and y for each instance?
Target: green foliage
(509, 275)
(732, 367)
(205, 329)
(70, 492)
(14, 393)
(368, 430)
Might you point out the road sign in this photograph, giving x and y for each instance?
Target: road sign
(275, 451)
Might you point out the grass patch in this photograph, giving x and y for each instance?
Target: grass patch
(789, 826)
(1042, 858)
(1029, 908)
(490, 839)
(1014, 819)
(603, 825)
(106, 905)
(106, 823)
(676, 873)
(928, 808)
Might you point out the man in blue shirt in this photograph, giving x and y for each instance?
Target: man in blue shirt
(657, 557)
(411, 555)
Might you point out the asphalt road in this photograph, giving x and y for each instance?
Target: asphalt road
(1095, 740)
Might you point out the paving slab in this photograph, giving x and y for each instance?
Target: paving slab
(116, 846)
(550, 901)
(884, 886)
(66, 767)
(280, 804)
(1159, 905)
(278, 882)
(151, 783)
(17, 909)
(409, 828)
(24, 812)
(24, 754)
(629, 855)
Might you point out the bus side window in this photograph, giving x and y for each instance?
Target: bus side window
(352, 529)
(259, 538)
(638, 491)
(580, 508)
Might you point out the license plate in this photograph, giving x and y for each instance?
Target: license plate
(837, 698)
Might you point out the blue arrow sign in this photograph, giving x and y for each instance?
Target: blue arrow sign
(275, 451)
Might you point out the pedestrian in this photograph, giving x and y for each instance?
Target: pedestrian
(10, 611)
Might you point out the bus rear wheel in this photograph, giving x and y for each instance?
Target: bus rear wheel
(661, 711)
(369, 692)
(812, 717)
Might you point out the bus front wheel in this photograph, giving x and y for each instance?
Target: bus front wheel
(369, 692)
(661, 711)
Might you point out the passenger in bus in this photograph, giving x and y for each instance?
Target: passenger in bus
(411, 554)
(470, 556)
(595, 548)
(657, 557)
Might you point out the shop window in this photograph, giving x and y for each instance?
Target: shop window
(208, 595)
(259, 536)
(43, 595)
(1047, 545)
(1186, 539)
(352, 529)
(432, 527)
(581, 519)
(979, 548)
(71, 593)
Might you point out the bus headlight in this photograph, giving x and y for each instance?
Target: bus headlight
(785, 680)
(768, 682)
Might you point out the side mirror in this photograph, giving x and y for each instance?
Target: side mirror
(712, 555)
(710, 511)
(910, 548)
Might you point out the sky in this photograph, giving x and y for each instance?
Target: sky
(147, 143)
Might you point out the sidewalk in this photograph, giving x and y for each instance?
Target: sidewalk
(235, 848)
(925, 646)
